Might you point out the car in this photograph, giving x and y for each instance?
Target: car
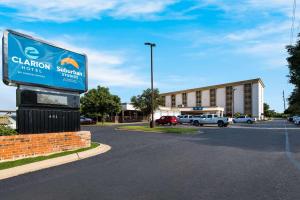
(169, 120)
(295, 117)
(212, 119)
(8, 121)
(297, 121)
(185, 119)
(86, 121)
(244, 119)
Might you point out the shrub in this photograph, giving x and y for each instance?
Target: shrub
(7, 131)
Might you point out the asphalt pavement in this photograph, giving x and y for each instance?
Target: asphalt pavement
(259, 161)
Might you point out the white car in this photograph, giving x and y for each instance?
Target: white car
(185, 119)
(244, 119)
(295, 117)
(9, 121)
(211, 119)
(297, 120)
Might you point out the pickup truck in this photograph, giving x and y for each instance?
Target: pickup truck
(185, 119)
(244, 119)
(211, 119)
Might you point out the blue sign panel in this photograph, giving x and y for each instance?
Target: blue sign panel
(28, 61)
(198, 108)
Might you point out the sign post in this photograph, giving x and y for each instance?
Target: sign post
(49, 80)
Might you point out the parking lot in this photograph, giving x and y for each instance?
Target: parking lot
(257, 161)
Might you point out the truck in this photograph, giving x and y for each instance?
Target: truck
(211, 119)
(185, 118)
(244, 119)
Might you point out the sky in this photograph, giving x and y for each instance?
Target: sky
(199, 42)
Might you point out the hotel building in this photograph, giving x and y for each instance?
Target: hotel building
(245, 97)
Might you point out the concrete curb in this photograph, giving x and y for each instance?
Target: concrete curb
(15, 171)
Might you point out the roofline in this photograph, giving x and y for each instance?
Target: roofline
(257, 80)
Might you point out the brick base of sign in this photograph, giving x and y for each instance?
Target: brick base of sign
(31, 145)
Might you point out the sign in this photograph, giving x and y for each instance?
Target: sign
(198, 108)
(30, 61)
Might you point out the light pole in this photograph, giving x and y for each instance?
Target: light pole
(232, 106)
(152, 91)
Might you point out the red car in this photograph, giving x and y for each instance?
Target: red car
(169, 120)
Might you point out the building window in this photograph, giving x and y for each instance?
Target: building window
(229, 93)
(184, 100)
(163, 100)
(212, 97)
(198, 98)
(248, 99)
(173, 100)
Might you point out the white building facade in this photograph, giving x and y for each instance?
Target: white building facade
(244, 97)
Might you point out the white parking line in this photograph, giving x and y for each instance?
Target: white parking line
(288, 152)
(268, 128)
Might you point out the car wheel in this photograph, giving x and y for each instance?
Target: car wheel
(196, 123)
(220, 123)
(249, 122)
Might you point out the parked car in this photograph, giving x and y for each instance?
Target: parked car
(185, 119)
(295, 117)
(244, 119)
(212, 119)
(297, 121)
(85, 121)
(8, 121)
(169, 120)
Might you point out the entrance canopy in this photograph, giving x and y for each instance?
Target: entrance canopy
(202, 110)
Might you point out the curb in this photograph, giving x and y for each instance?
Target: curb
(23, 169)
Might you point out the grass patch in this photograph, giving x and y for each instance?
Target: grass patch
(15, 163)
(106, 124)
(178, 130)
(4, 131)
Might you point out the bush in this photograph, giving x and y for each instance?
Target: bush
(7, 131)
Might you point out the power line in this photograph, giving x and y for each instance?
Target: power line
(293, 22)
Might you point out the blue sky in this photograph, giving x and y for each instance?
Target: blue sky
(199, 42)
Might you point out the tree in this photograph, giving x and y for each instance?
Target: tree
(143, 101)
(294, 77)
(271, 113)
(99, 102)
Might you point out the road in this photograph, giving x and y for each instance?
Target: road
(242, 162)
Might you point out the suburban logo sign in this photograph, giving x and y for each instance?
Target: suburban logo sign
(30, 61)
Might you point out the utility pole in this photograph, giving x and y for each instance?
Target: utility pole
(283, 100)
(152, 90)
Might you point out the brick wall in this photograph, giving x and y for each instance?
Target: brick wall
(31, 145)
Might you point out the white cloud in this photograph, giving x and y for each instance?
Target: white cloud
(65, 10)
(259, 32)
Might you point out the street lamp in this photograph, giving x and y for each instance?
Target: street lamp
(152, 91)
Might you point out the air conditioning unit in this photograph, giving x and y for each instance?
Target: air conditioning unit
(180, 106)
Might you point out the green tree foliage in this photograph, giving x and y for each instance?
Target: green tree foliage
(271, 113)
(143, 101)
(294, 77)
(99, 102)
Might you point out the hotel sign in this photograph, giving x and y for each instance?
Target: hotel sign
(30, 61)
(198, 108)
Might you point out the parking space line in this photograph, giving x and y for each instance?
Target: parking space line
(288, 152)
